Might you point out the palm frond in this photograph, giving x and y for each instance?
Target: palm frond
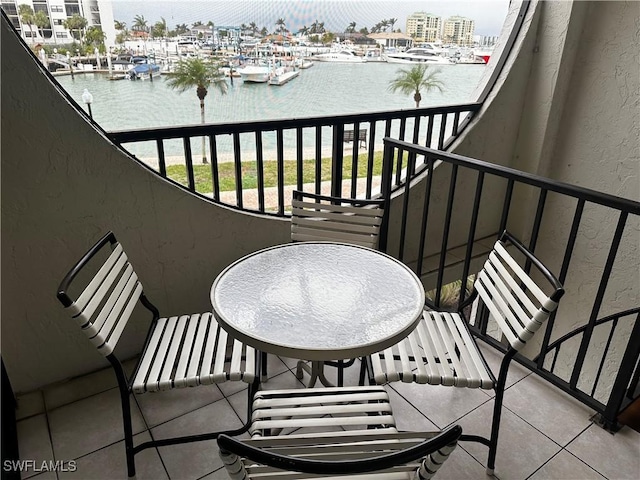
(412, 80)
(195, 72)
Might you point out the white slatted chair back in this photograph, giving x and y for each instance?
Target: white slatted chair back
(351, 434)
(321, 218)
(361, 445)
(105, 305)
(513, 298)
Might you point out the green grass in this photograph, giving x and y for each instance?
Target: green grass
(227, 176)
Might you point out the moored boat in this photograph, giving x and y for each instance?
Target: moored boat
(143, 71)
(418, 55)
(344, 56)
(254, 73)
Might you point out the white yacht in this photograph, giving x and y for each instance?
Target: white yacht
(424, 54)
(254, 73)
(344, 56)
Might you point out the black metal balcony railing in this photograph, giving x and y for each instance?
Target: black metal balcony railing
(443, 228)
(471, 192)
(319, 151)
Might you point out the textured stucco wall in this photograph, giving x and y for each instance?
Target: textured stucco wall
(595, 145)
(63, 186)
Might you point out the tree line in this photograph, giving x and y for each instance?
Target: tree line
(317, 29)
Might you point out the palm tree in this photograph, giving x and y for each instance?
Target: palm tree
(392, 22)
(328, 38)
(159, 29)
(76, 23)
(118, 25)
(27, 17)
(195, 72)
(280, 23)
(181, 29)
(351, 28)
(41, 21)
(139, 23)
(95, 37)
(413, 80)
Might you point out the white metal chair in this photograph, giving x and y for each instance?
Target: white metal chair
(324, 218)
(349, 220)
(352, 435)
(442, 351)
(179, 351)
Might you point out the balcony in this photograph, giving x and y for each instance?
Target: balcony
(545, 433)
(553, 145)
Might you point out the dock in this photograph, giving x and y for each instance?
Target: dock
(284, 77)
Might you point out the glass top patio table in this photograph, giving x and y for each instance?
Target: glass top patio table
(318, 300)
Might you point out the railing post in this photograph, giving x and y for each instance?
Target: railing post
(337, 160)
(385, 188)
(625, 372)
(188, 159)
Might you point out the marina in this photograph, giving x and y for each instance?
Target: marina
(327, 89)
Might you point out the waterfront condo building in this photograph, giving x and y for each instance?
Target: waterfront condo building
(97, 12)
(458, 30)
(424, 27)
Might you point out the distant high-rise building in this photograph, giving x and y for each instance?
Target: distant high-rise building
(97, 12)
(486, 40)
(458, 30)
(424, 27)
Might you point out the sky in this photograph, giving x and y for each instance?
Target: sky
(336, 14)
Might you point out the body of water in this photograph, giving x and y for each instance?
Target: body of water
(326, 89)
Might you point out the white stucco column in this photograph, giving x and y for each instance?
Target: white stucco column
(558, 38)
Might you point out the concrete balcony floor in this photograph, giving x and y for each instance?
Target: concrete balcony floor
(545, 434)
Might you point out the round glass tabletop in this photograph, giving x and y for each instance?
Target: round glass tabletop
(318, 300)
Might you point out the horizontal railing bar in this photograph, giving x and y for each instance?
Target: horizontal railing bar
(594, 196)
(557, 343)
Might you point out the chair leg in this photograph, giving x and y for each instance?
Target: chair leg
(495, 427)
(497, 411)
(340, 373)
(263, 369)
(128, 438)
(365, 372)
(125, 402)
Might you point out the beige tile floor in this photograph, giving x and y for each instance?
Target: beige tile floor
(545, 434)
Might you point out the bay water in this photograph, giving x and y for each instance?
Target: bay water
(325, 89)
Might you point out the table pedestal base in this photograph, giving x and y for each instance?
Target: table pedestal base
(316, 372)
